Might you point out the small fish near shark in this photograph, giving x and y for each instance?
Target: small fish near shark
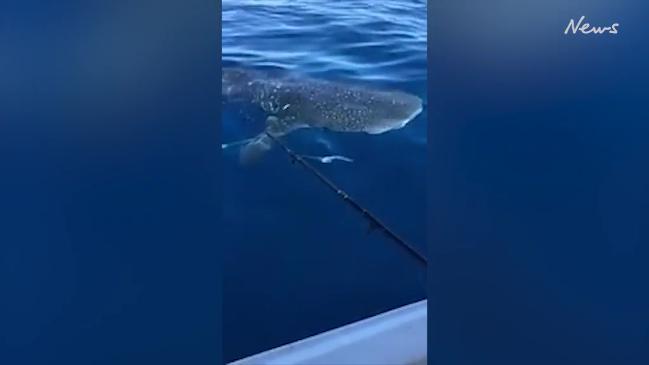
(292, 103)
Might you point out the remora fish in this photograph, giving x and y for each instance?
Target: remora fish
(293, 103)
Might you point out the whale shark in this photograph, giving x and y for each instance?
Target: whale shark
(291, 102)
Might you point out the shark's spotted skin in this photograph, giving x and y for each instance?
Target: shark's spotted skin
(292, 103)
(316, 103)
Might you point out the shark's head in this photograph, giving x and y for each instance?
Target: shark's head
(395, 111)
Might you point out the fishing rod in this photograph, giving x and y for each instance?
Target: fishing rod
(375, 223)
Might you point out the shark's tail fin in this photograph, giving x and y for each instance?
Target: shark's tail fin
(255, 149)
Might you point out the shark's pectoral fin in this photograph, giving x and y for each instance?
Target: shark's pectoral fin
(255, 149)
(250, 149)
(279, 127)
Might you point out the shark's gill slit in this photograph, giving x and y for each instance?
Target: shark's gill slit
(375, 223)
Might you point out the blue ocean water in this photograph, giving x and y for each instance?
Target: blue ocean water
(110, 183)
(299, 261)
(539, 187)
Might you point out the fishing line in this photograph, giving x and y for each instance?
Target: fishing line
(375, 223)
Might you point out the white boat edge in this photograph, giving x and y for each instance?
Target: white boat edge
(396, 337)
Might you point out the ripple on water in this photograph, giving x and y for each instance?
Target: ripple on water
(362, 40)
